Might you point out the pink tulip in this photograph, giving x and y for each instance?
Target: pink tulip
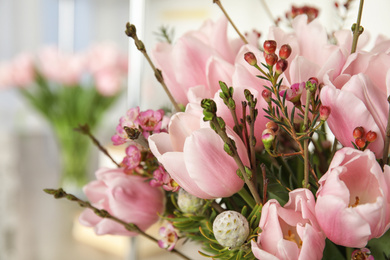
(358, 103)
(198, 59)
(290, 232)
(127, 197)
(193, 154)
(353, 199)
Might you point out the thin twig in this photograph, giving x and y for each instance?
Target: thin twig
(357, 28)
(218, 2)
(84, 129)
(387, 139)
(306, 141)
(268, 11)
(60, 193)
(132, 32)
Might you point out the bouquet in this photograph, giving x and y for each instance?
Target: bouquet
(69, 89)
(244, 165)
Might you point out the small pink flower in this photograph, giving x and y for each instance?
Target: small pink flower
(162, 178)
(132, 158)
(362, 254)
(290, 232)
(151, 120)
(129, 120)
(169, 237)
(294, 93)
(353, 199)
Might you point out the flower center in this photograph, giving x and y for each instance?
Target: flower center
(356, 202)
(293, 238)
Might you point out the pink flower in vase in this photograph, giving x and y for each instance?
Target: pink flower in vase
(132, 159)
(127, 197)
(293, 93)
(162, 178)
(151, 121)
(353, 198)
(290, 232)
(193, 155)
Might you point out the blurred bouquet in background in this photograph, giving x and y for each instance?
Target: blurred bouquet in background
(69, 89)
(245, 161)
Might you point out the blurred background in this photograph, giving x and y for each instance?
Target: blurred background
(32, 224)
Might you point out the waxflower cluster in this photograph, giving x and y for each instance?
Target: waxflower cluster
(247, 164)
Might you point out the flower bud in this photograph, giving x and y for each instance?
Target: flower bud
(358, 132)
(231, 229)
(268, 137)
(285, 51)
(324, 113)
(362, 254)
(371, 136)
(281, 66)
(189, 203)
(250, 58)
(266, 94)
(312, 84)
(273, 126)
(269, 46)
(360, 142)
(270, 58)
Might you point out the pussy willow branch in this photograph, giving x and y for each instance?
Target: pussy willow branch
(60, 193)
(132, 32)
(387, 139)
(358, 29)
(252, 143)
(218, 2)
(84, 129)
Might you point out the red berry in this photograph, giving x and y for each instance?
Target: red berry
(324, 113)
(358, 132)
(273, 126)
(285, 51)
(266, 94)
(360, 142)
(250, 58)
(371, 136)
(281, 66)
(269, 46)
(271, 58)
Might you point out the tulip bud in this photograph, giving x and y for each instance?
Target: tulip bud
(360, 142)
(358, 132)
(371, 136)
(250, 58)
(281, 66)
(231, 229)
(324, 113)
(266, 94)
(268, 137)
(285, 51)
(270, 58)
(189, 203)
(269, 46)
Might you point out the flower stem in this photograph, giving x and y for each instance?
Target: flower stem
(60, 193)
(268, 11)
(247, 197)
(218, 2)
(357, 29)
(132, 32)
(84, 129)
(387, 139)
(306, 141)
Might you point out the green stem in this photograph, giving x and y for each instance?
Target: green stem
(247, 197)
(306, 141)
(358, 29)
